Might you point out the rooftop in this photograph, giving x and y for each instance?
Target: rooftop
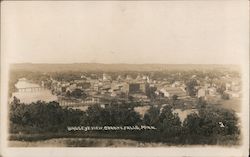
(24, 83)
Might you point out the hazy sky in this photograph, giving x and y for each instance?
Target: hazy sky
(206, 32)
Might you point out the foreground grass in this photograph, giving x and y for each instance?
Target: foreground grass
(78, 139)
(84, 142)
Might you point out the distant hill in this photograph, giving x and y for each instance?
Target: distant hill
(116, 67)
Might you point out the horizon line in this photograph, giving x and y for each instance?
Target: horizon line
(127, 63)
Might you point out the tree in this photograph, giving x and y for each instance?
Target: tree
(201, 102)
(192, 124)
(84, 85)
(215, 115)
(170, 125)
(68, 94)
(221, 88)
(190, 87)
(150, 92)
(151, 117)
(210, 126)
(77, 93)
(225, 96)
(123, 95)
(175, 97)
(111, 115)
(41, 116)
(131, 98)
(16, 110)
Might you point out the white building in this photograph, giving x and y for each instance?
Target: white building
(23, 85)
(30, 92)
(201, 93)
(170, 91)
(106, 77)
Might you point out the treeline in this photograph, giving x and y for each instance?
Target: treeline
(211, 125)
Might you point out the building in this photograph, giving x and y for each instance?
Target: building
(119, 78)
(176, 84)
(72, 87)
(233, 94)
(29, 92)
(129, 78)
(201, 93)
(212, 91)
(138, 87)
(106, 77)
(171, 91)
(23, 85)
(134, 88)
(139, 77)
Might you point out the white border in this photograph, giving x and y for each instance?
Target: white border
(124, 152)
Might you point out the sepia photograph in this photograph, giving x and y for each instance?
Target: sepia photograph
(122, 78)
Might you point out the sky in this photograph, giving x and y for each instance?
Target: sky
(136, 32)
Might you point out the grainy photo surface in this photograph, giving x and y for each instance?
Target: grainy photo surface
(164, 76)
(80, 105)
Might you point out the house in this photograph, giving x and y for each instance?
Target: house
(176, 84)
(71, 87)
(140, 96)
(228, 86)
(233, 94)
(129, 78)
(106, 77)
(171, 91)
(119, 78)
(23, 85)
(212, 91)
(138, 87)
(201, 93)
(139, 78)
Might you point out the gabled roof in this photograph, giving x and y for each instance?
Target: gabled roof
(175, 91)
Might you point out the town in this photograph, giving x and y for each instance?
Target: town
(79, 91)
(180, 104)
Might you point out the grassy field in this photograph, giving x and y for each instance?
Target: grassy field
(84, 142)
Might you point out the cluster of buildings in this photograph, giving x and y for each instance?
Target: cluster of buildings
(106, 87)
(103, 90)
(141, 88)
(224, 85)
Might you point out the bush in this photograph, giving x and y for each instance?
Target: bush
(111, 115)
(211, 125)
(41, 116)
